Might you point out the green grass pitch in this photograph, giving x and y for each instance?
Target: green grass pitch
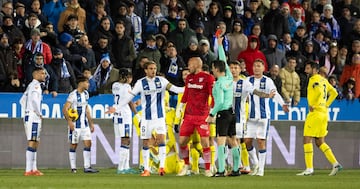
(274, 178)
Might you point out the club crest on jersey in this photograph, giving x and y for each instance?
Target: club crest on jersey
(158, 84)
(201, 79)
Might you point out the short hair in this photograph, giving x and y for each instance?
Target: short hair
(219, 64)
(237, 63)
(313, 65)
(81, 78)
(259, 60)
(37, 69)
(120, 22)
(123, 75)
(290, 58)
(148, 63)
(205, 68)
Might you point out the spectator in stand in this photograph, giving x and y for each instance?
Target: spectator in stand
(295, 4)
(335, 83)
(346, 22)
(296, 53)
(150, 51)
(20, 15)
(304, 79)
(221, 27)
(352, 71)
(122, 14)
(199, 31)
(92, 84)
(16, 48)
(101, 48)
(50, 85)
(94, 17)
(34, 45)
(320, 5)
(139, 72)
(274, 22)
(274, 56)
(290, 88)
(86, 51)
(285, 10)
(64, 73)
(9, 81)
(228, 18)
(136, 24)
(301, 36)
(257, 31)
(314, 24)
(172, 66)
(350, 4)
(274, 75)
(105, 75)
(197, 15)
(181, 35)
(161, 42)
(238, 41)
(36, 9)
(172, 19)
(252, 53)
(343, 52)
(31, 22)
(306, 5)
(214, 16)
(296, 14)
(243, 67)
(309, 52)
(164, 5)
(123, 48)
(285, 42)
(354, 35)
(254, 9)
(330, 60)
(164, 28)
(330, 22)
(6, 9)
(49, 36)
(152, 23)
(72, 27)
(191, 51)
(206, 55)
(105, 28)
(320, 45)
(248, 22)
(52, 9)
(11, 30)
(349, 89)
(72, 8)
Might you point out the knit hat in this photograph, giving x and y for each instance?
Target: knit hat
(272, 37)
(193, 40)
(57, 51)
(65, 38)
(204, 42)
(35, 31)
(105, 57)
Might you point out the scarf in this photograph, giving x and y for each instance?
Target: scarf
(64, 70)
(99, 78)
(37, 48)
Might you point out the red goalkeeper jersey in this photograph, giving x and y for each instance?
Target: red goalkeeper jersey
(198, 88)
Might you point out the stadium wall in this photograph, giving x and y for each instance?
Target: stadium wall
(284, 147)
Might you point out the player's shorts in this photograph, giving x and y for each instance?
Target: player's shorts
(32, 124)
(316, 124)
(239, 127)
(122, 126)
(257, 128)
(194, 122)
(212, 129)
(148, 126)
(79, 134)
(225, 123)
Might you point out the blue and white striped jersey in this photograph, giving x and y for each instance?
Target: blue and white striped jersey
(242, 89)
(152, 92)
(259, 108)
(120, 91)
(79, 101)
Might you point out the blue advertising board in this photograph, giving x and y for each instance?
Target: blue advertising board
(342, 110)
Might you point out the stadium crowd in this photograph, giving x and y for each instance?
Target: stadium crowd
(71, 37)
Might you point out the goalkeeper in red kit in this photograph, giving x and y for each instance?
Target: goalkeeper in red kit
(198, 87)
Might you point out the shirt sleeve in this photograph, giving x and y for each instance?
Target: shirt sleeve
(218, 98)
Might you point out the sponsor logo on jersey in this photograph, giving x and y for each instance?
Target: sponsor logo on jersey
(195, 86)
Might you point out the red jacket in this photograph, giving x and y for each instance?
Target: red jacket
(351, 71)
(250, 55)
(46, 51)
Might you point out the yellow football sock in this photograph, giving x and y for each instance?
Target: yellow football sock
(308, 154)
(244, 155)
(213, 152)
(328, 153)
(195, 156)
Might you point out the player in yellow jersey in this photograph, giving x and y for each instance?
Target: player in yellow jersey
(320, 95)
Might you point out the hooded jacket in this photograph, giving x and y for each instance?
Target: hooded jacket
(250, 55)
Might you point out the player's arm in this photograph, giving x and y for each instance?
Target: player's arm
(88, 115)
(35, 99)
(222, 57)
(277, 97)
(175, 89)
(249, 88)
(65, 109)
(332, 94)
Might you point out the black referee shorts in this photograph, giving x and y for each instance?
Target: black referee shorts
(225, 123)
